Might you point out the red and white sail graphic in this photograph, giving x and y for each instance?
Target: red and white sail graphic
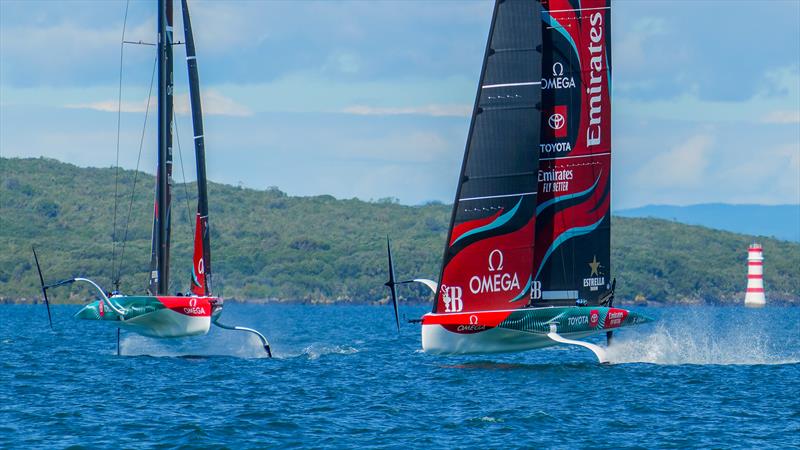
(199, 286)
(572, 247)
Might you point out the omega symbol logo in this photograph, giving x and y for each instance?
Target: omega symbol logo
(558, 69)
(192, 302)
(201, 267)
(498, 259)
(556, 121)
(473, 319)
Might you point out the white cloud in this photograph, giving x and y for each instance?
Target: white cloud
(776, 102)
(633, 46)
(782, 82)
(772, 178)
(414, 147)
(782, 117)
(681, 167)
(111, 106)
(677, 163)
(66, 52)
(213, 104)
(344, 62)
(425, 110)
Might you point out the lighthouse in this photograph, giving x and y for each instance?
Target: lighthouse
(755, 277)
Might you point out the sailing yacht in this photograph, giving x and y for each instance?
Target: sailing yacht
(159, 314)
(527, 260)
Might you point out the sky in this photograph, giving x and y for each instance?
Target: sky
(372, 99)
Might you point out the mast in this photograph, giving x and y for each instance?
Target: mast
(159, 261)
(201, 271)
(573, 215)
(488, 256)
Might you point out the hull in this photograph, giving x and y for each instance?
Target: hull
(159, 317)
(518, 330)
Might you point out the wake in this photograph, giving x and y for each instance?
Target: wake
(248, 347)
(315, 351)
(706, 337)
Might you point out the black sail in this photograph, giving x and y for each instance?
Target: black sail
(572, 256)
(201, 271)
(159, 261)
(488, 258)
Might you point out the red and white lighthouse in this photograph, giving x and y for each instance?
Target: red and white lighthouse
(755, 277)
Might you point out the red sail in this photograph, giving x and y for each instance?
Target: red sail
(492, 272)
(572, 256)
(199, 286)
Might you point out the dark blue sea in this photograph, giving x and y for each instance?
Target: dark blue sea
(719, 377)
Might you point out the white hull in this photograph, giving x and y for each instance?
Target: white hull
(437, 340)
(167, 323)
(159, 317)
(522, 329)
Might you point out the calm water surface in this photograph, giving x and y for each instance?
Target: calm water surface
(342, 377)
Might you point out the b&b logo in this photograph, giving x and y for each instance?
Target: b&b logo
(451, 296)
(536, 290)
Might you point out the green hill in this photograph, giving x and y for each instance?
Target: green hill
(267, 245)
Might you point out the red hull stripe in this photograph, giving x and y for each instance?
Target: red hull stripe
(755, 277)
(485, 318)
(755, 289)
(755, 263)
(188, 306)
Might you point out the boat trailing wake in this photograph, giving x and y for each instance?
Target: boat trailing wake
(237, 347)
(136, 345)
(695, 338)
(314, 351)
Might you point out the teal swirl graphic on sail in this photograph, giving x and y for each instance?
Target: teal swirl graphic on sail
(563, 198)
(563, 237)
(523, 293)
(553, 22)
(496, 223)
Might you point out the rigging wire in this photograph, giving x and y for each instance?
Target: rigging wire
(136, 172)
(116, 167)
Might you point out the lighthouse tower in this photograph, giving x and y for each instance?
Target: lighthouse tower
(755, 277)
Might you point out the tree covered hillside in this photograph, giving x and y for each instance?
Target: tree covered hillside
(267, 245)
